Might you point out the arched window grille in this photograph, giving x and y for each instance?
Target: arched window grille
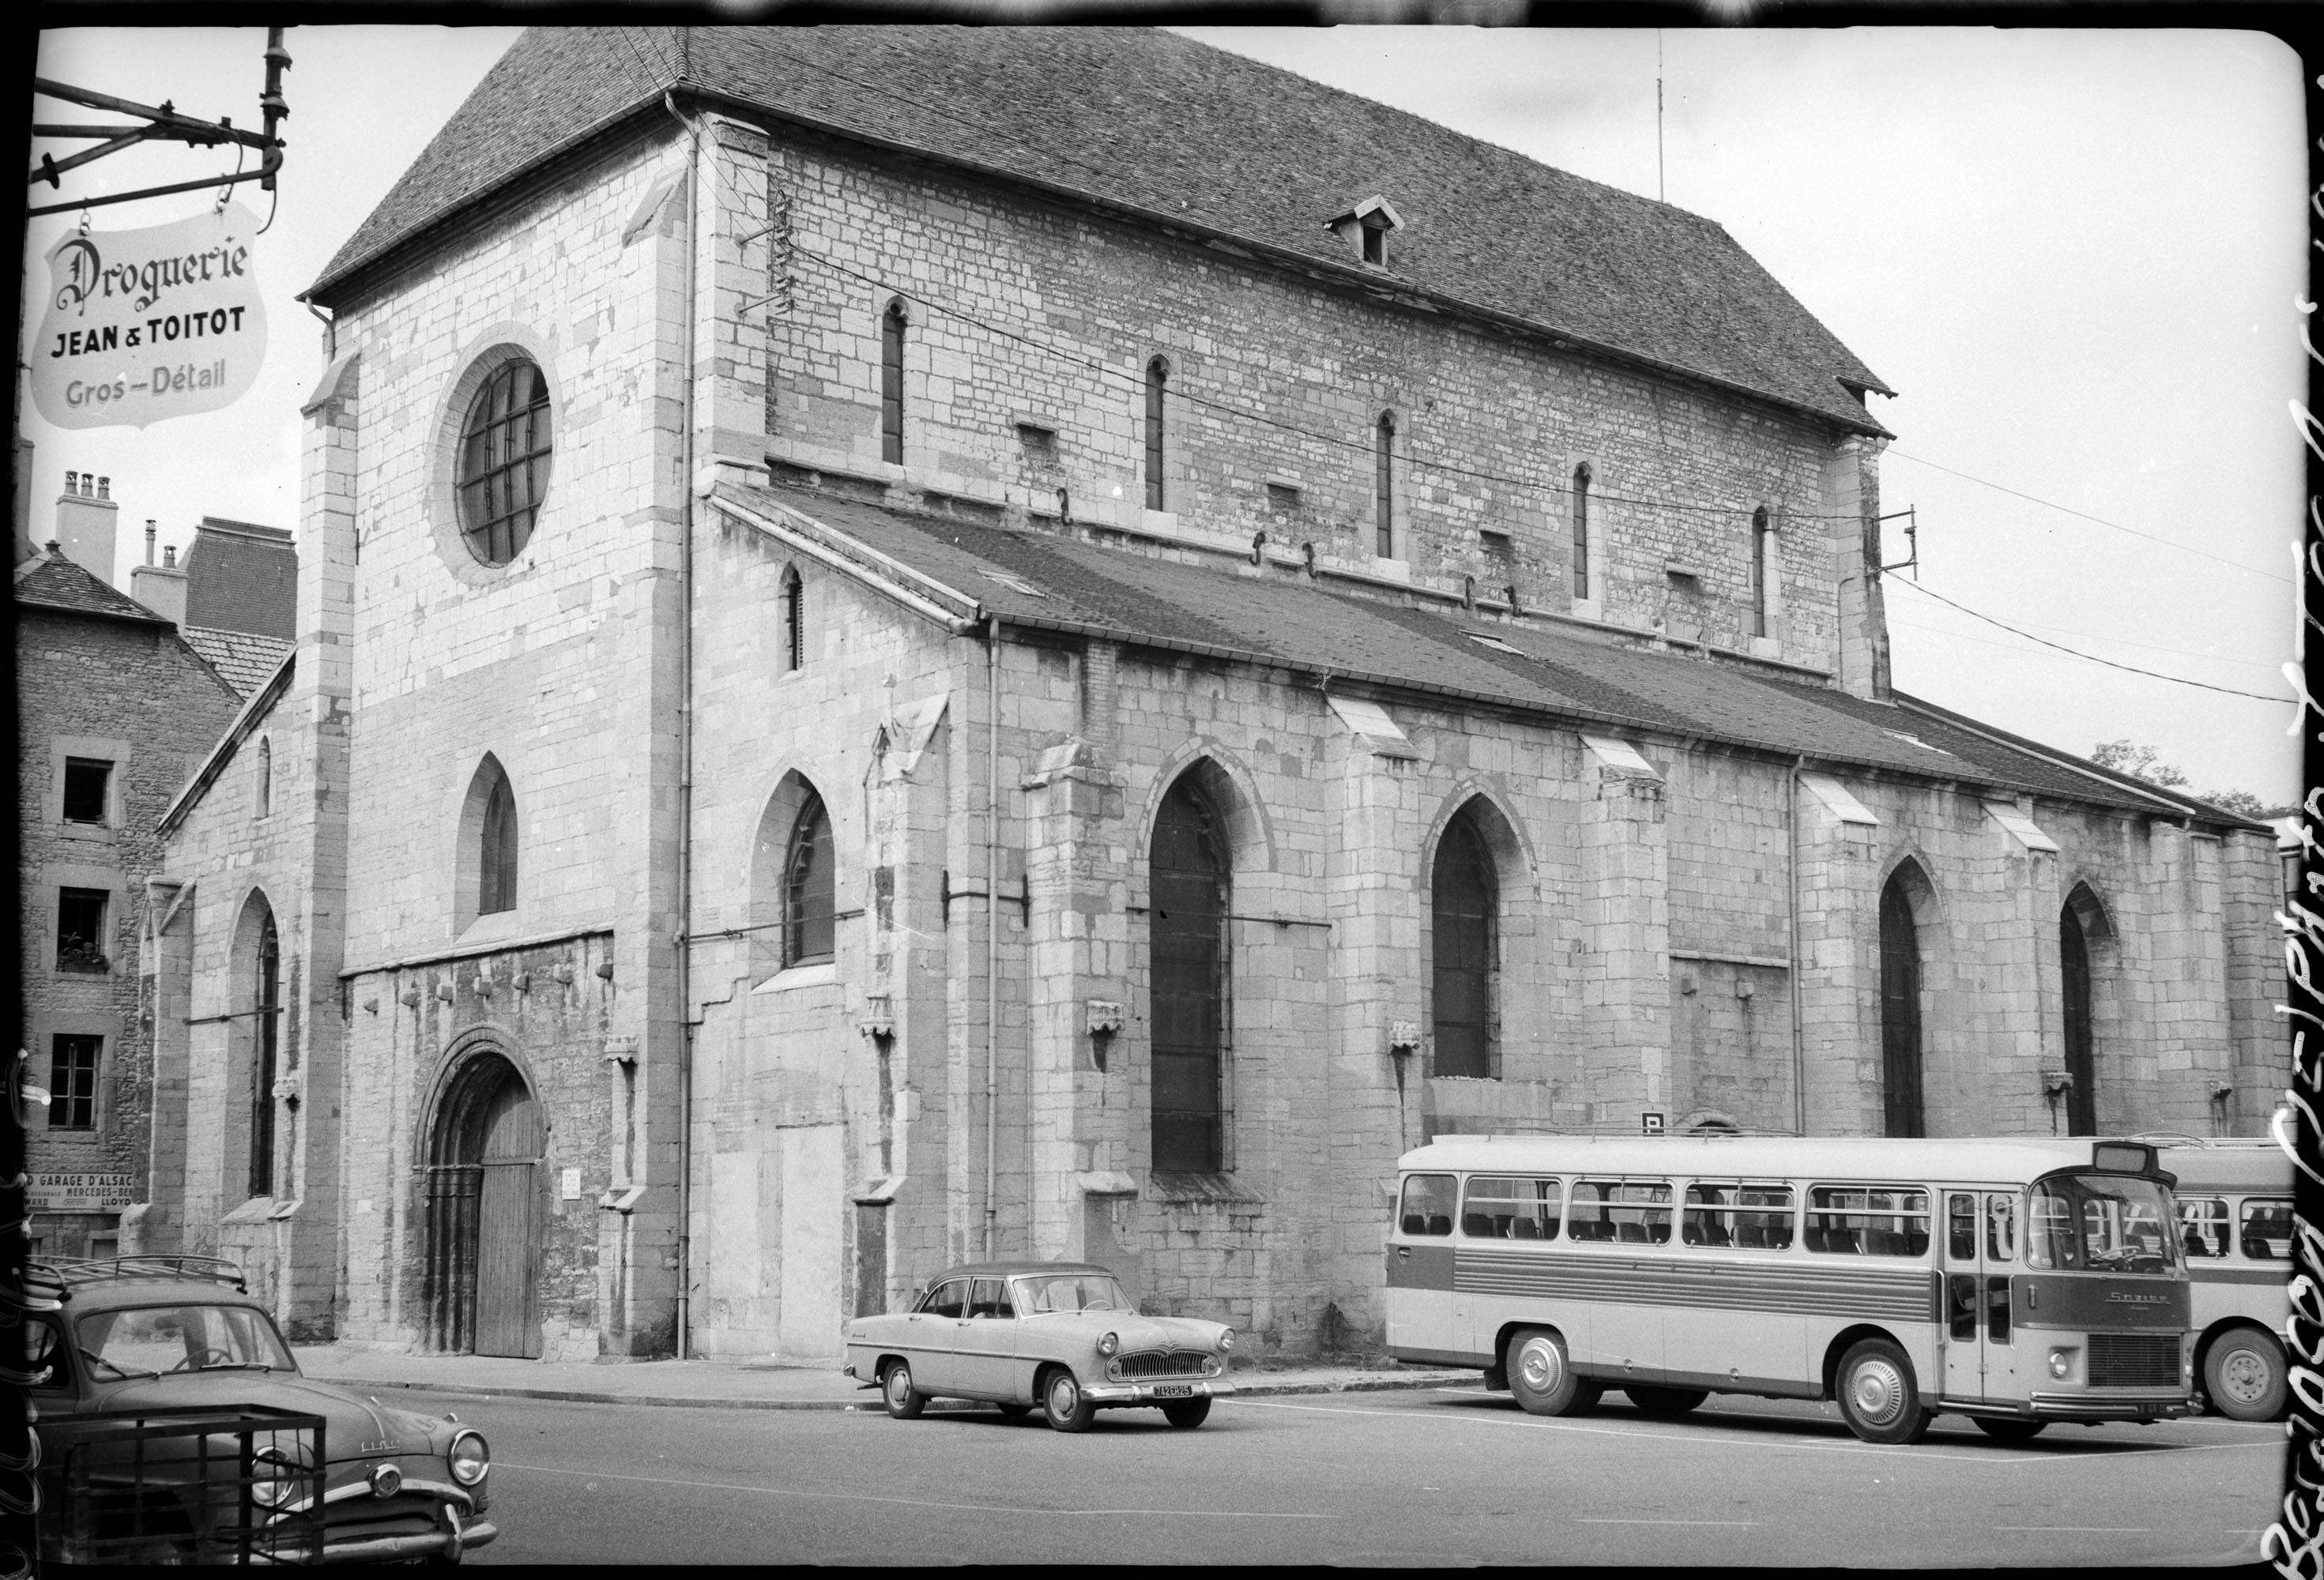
(1465, 904)
(1582, 532)
(891, 383)
(808, 889)
(505, 454)
(794, 620)
(1759, 537)
(1188, 874)
(497, 851)
(1384, 485)
(1157, 373)
(266, 1022)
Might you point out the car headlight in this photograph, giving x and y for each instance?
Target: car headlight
(470, 1457)
(2062, 1363)
(1109, 1344)
(1226, 1340)
(274, 1478)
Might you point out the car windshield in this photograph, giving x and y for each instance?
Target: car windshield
(1070, 1291)
(152, 1340)
(2101, 1223)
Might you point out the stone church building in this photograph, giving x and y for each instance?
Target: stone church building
(921, 642)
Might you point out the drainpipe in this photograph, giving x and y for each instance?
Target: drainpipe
(685, 762)
(1799, 1035)
(991, 926)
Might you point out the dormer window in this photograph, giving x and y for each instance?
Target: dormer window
(1365, 228)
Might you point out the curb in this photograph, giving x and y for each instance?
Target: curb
(1362, 1384)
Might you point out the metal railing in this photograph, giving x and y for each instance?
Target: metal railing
(187, 1486)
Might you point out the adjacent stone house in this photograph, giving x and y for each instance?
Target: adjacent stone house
(916, 643)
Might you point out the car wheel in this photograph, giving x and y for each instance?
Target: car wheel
(904, 1402)
(2244, 1374)
(2009, 1428)
(1666, 1401)
(1542, 1377)
(1065, 1406)
(1187, 1413)
(1878, 1399)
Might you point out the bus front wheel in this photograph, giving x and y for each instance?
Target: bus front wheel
(1542, 1378)
(2244, 1374)
(1878, 1399)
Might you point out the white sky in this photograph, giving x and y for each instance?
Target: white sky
(2076, 254)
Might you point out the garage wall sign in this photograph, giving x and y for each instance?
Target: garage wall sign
(80, 1192)
(142, 325)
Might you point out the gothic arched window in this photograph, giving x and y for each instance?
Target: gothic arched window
(808, 890)
(1582, 532)
(1465, 901)
(1188, 872)
(891, 382)
(1157, 373)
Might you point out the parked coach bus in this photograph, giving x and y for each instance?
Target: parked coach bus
(2016, 1282)
(2235, 1211)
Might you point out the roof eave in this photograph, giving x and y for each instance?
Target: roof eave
(213, 765)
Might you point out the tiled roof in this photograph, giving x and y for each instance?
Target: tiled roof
(1164, 125)
(1281, 617)
(52, 581)
(241, 578)
(244, 659)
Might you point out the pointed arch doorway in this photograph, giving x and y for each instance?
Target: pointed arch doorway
(485, 1216)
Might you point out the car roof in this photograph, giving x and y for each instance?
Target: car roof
(1012, 1269)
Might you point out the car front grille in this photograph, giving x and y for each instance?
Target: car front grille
(364, 1517)
(1162, 1363)
(2133, 1360)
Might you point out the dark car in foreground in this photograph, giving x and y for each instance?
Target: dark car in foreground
(163, 1339)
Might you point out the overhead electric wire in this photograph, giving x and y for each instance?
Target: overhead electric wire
(2088, 658)
(2085, 515)
(1960, 636)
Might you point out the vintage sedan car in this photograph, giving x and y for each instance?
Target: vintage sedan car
(175, 1337)
(1059, 1335)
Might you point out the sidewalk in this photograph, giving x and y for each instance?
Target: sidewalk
(727, 1384)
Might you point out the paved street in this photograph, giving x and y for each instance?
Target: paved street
(1435, 1476)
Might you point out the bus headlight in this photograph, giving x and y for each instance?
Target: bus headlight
(468, 1458)
(2062, 1364)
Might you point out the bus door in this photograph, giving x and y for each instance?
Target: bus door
(1419, 1273)
(1980, 1253)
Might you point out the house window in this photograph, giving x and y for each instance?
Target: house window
(1759, 535)
(1157, 373)
(80, 932)
(266, 1015)
(72, 1080)
(1384, 485)
(496, 866)
(265, 776)
(794, 620)
(505, 453)
(86, 782)
(808, 889)
(1465, 903)
(1581, 533)
(891, 383)
(1375, 242)
(1188, 872)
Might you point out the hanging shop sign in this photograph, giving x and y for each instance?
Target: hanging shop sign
(143, 325)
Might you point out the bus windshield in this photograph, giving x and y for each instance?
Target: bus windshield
(2101, 1223)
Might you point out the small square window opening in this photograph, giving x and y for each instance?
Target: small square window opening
(1282, 496)
(87, 780)
(80, 931)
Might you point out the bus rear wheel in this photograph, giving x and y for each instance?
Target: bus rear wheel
(1666, 1401)
(1542, 1378)
(2244, 1374)
(2009, 1428)
(1878, 1399)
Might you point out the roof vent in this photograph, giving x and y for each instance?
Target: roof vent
(1365, 227)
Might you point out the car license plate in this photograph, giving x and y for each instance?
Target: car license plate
(1173, 1391)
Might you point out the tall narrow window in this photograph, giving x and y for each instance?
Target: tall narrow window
(808, 902)
(1466, 896)
(794, 620)
(266, 1018)
(1759, 535)
(891, 383)
(80, 932)
(1582, 532)
(72, 1080)
(496, 866)
(86, 783)
(2082, 1064)
(1900, 1013)
(1384, 485)
(265, 798)
(1188, 872)
(1157, 373)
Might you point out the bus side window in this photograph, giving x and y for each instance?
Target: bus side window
(1764, 1220)
(2203, 1223)
(2000, 1229)
(1427, 1207)
(2266, 1228)
(1961, 1227)
(1707, 1221)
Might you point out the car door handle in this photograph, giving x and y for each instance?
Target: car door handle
(1404, 1253)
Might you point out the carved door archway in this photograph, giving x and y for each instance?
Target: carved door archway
(483, 1212)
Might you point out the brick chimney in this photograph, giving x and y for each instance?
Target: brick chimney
(161, 588)
(86, 523)
(23, 503)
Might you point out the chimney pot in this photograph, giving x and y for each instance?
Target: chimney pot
(149, 540)
(169, 556)
(105, 488)
(72, 482)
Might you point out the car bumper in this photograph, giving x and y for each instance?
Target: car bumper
(1151, 1393)
(452, 1538)
(2082, 1406)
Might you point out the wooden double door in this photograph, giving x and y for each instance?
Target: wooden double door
(485, 1227)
